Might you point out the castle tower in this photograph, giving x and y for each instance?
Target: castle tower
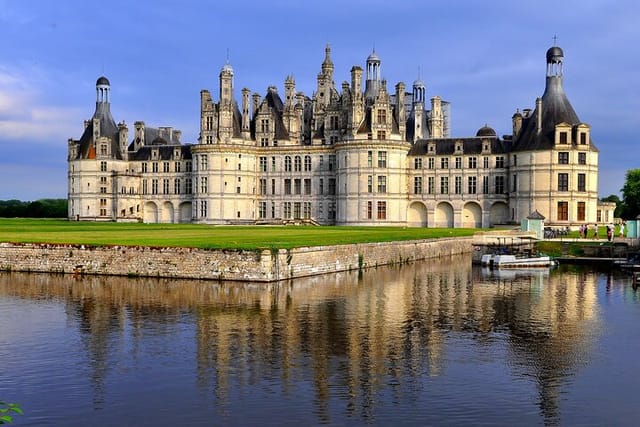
(225, 126)
(418, 113)
(372, 84)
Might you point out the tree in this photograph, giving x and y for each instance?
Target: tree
(631, 195)
(613, 198)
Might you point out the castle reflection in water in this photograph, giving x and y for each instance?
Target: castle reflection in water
(364, 331)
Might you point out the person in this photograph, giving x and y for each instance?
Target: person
(581, 231)
(595, 231)
(609, 232)
(622, 229)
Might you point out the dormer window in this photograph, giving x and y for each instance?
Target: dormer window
(583, 138)
(563, 138)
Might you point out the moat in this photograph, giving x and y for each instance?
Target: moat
(429, 343)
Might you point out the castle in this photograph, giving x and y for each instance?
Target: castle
(351, 155)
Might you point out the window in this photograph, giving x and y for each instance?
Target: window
(154, 167)
(369, 184)
(563, 182)
(165, 167)
(154, 186)
(473, 162)
(264, 125)
(382, 117)
(321, 187)
(581, 209)
(563, 211)
(582, 158)
(382, 134)
(307, 186)
(417, 163)
(332, 186)
(176, 186)
(103, 166)
(145, 187)
(262, 187)
(444, 185)
(333, 122)
(369, 210)
(103, 180)
(188, 166)
(273, 186)
(188, 186)
(582, 182)
(103, 149)
(144, 167)
(287, 163)
(332, 161)
(204, 162)
(382, 159)
(307, 163)
(563, 157)
(485, 185)
(203, 185)
(177, 166)
(264, 142)
(499, 184)
(262, 209)
(306, 210)
(432, 163)
(321, 163)
(563, 137)
(417, 185)
(297, 186)
(203, 209)
(287, 210)
(499, 162)
(382, 184)
(485, 162)
(583, 138)
(263, 164)
(514, 183)
(297, 163)
(458, 162)
(515, 160)
(165, 186)
(472, 184)
(444, 163)
(287, 186)
(382, 210)
(296, 210)
(431, 185)
(273, 164)
(458, 185)
(370, 159)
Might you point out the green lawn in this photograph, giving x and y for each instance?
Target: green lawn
(206, 236)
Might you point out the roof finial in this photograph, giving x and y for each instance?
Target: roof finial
(555, 39)
(227, 55)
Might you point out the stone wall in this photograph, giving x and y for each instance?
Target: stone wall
(237, 265)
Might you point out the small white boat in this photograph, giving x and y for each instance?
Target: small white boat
(511, 261)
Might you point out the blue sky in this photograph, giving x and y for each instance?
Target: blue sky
(486, 57)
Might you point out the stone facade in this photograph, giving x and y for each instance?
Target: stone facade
(348, 155)
(232, 265)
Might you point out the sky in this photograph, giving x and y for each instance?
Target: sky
(485, 57)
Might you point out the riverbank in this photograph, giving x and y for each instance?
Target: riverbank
(259, 265)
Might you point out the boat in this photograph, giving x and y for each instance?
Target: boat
(511, 261)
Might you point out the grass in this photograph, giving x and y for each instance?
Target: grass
(206, 236)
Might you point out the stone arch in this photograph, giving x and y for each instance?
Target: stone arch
(167, 213)
(417, 215)
(444, 215)
(150, 212)
(184, 212)
(498, 213)
(472, 215)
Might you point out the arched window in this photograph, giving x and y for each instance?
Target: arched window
(307, 163)
(287, 163)
(297, 163)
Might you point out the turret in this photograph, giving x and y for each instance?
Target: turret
(372, 84)
(246, 114)
(400, 111)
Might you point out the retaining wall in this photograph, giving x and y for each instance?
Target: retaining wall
(237, 265)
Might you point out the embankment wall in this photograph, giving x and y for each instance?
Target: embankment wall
(236, 265)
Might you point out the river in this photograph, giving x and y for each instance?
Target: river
(432, 343)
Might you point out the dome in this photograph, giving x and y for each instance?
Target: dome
(554, 55)
(227, 68)
(486, 131)
(103, 81)
(373, 57)
(418, 83)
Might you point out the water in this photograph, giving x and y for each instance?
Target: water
(435, 343)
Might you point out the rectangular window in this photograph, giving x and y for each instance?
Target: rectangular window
(473, 162)
(563, 211)
(188, 166)
(165, 186)
(165, 167)
(382, 117)
(431, 185)
(514, 183)
(417, 163)
(144, 168)
(370, 159)
(444, 185)
(203, 209)
(563, 182)
(273, 186)
(273, 164)
(154, 167)
(458, 162)
(297, 186)
(485, 185)
(369, 184)
(582, 158)
(263, 164)
(262, 209)
(369, 210)
(103, 167)
(581, 210)
(203, 185)
(472, 184)
(382, 184)
(382, 134)
(382, 159)
(177, 166)
(500, 162)
(332, 161)
(287, 186)
(145, 187)
(563, 157)
(563, 137)
(417, 185)
(176, 186)
(583, 138)
(321, 163)
(485, 162)
(382, 210)
(432, 163)
(154, 186)
(499, 184)
(307, 186)
(306, 210)
(287, 163)
(204, 162)
(297, 210)
(582, 182)
(444, 163)
(188, 186)
(262, 187)
(332, 186)
(458, 185)
(321, 186)
(307, 163)
(287, 210)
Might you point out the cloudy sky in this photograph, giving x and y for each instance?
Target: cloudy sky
(486, 57)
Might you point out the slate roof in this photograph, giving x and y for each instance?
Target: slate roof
(446, 146)
(108, 128)
(165, 152)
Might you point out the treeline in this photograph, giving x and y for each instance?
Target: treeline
(43, 208)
